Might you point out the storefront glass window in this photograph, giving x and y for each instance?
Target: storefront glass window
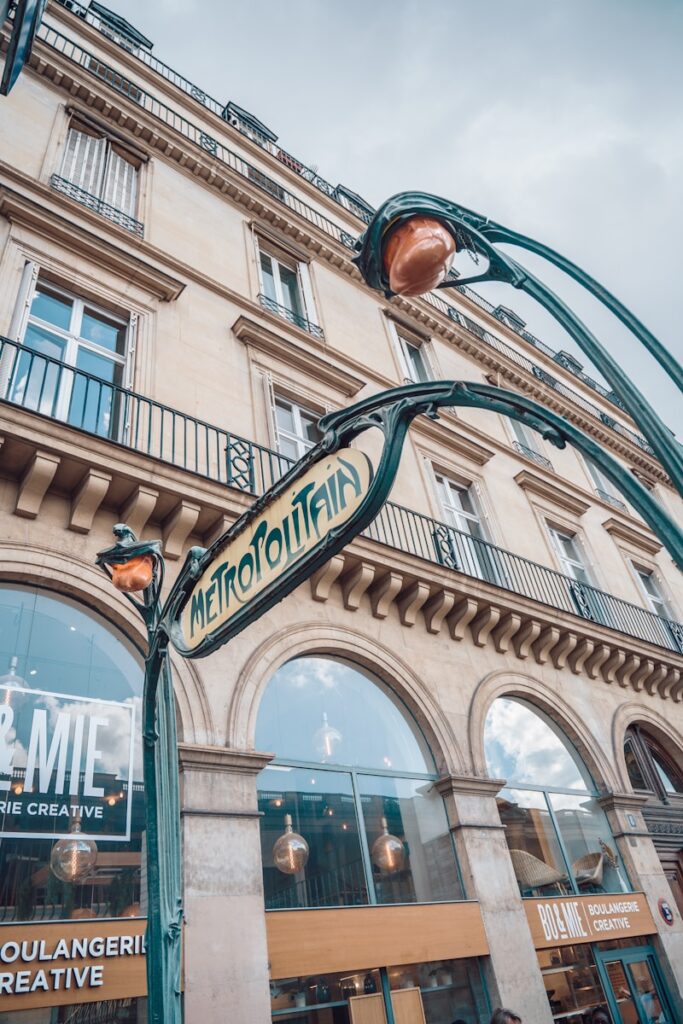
(70, 762)
(353, 782)
(572, 983)
(559, 837)
(450, 990)
(421, 867)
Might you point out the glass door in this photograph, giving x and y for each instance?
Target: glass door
(634, 986)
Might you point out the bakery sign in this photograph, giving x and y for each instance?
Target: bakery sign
(71, 962)
(563, 921)
(64, 759)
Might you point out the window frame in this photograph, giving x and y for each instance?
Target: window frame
(111, 146)
(639, 570)
(32, 279)
(280, 257)
(590, 790)
(302, 444)
(556, 531)
(645, 748)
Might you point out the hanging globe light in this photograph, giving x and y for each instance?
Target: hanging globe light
(326, 739)
(388, 852)
(290, 851)
(72, 859)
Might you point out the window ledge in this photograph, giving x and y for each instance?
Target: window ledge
(634, 538)
(288, 351)
(552, 492)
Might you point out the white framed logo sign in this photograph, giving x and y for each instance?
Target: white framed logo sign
(64, 759)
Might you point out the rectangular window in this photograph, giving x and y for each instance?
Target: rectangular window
(101, 174)
(285, 289)
(569, 553)
(297, 428)
(71, 362)
(601, 485)
(413, 360)
(652, 591)
(465, 547)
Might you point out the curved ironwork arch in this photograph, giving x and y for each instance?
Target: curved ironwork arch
(476, 233)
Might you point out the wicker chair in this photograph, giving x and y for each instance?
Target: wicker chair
(588, 870)
(533, 873)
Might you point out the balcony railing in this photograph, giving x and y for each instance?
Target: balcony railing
(72, 51)
(51, 388)
(611, 499)
(531, 453)
(288, 314)
(68, 188)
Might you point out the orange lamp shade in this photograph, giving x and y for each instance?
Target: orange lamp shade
(417, 255)
(133, 575)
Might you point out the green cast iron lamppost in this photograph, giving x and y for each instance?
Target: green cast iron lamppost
(319, 506)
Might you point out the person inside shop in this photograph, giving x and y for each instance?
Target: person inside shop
(600, 1016)
(502, 1016)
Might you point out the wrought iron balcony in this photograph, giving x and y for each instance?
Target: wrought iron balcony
(611, 499)
(53, 389)
(531, 453)
(197, 136)
(68, 188)
(288, 314)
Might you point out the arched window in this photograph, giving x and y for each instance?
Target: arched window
(650, 768)
(559, 837)
(350, 814)
(71, 795)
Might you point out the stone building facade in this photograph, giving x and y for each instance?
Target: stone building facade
(472, 716)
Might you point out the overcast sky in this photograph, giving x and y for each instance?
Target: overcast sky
(560, 118)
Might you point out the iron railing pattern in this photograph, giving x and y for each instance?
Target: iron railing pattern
(199, 137)
(103, 408)
(124, 220)
(293, 318)
(531, 453)
(611, 499)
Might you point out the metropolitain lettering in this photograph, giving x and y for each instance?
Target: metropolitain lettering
(325, 497)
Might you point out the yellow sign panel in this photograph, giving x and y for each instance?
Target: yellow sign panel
(561, 921)
(71, 962)
(321, 500)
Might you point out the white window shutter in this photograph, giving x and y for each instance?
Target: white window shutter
(481, 506)
(17, 327)
(120, 183)
(269, 397)
(307, 293)
(22, 308)
(427, 352)
(131, 348)
(400, 352)
(84, 159)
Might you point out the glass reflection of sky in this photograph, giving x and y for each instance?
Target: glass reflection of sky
(523, 746)
(364, 726)
(63, 649)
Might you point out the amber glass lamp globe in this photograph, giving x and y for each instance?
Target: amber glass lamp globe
(290, 851)
(388, 852)
(73, 859)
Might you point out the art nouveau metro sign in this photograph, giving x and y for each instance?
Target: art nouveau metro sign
(275, 543)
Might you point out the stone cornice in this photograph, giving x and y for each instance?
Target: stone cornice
(446, 431)
(469, 785)
(19, 209)
(124, 113)
(557, 493)
(313, 357)
(200, 758)
(636, 538)
(622, 801)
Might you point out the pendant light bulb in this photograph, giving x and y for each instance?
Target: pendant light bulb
(290, 851)
(72, 859)
(326, 740)
(388, 852)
